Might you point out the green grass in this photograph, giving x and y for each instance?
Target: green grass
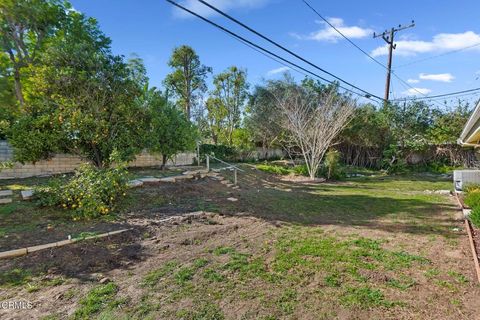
(15, 277)
(206, 311)
(277, 275)
(98, 299)
(223, 250)
(184, 275)
(213, 276)
(275, 169)
(458, 277)
(403, 283)
(299, 263)
(364, 297)
(314, 250)
(153, 277)
(403, 202)
(287, 301)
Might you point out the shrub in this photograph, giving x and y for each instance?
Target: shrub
(301, 170)
(473, 199)
(219, 151)
(474, 217)
(471, 188)
(90, 193)
(441, 168)
(273, 169)
(332, 162)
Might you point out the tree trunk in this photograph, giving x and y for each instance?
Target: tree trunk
(164, 161)
(18, 87)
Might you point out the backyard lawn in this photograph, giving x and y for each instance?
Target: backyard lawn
(369, 247)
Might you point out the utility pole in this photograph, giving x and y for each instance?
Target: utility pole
(388, 36)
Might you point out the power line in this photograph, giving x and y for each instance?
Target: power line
(344, 36)
(242, 39)
(283, 48)
(359, 48)
(442, 95)
(269, 56)
(264, 51)
(437, 56)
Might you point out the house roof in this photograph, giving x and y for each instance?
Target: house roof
(471, 132)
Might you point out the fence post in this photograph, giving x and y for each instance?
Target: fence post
(198, 153)
(208, 162)
(235, 176)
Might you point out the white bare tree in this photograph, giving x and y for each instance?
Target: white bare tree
(313, 120)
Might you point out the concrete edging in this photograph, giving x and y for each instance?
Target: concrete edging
(27, 250)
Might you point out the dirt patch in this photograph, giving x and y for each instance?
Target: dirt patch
(124, 258)
(45, 233)
(227, 259)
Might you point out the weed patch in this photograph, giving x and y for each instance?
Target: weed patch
(364, 297)
(152, 278)
(97, 299)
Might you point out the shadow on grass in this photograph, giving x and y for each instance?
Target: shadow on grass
(394, 204)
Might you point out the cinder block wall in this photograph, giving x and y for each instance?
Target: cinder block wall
(63, 163)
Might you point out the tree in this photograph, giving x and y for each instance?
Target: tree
(448, 124)
(187, 81)
(230, 93)
(313, 119)
(263, 119)
(137, 70)
(169, 131)
(409, 123)
(79, 98)
(216, 115)
(25, 28)
(369, 127)
(8, 104)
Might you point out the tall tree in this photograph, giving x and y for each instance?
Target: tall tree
(409, 123)
(448, 123)
(313, 119)
(25, 28)
(263, 120)
(8, 103)
(216, 116)
(137, 70)
(187, 81)
(231, 92)
(79, 98)
(169, 132)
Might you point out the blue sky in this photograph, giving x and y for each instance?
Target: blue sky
(152, 28)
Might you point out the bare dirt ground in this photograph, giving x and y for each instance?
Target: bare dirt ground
(260, 259)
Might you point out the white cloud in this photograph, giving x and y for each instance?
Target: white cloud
(327, 33)
(442, 77)
(440, 42)
(413, 81)
(277, 71)
(224, 5)
(417, 91)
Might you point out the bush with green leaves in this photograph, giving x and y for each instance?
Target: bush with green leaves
(275, 169)
(474, 217)
(471, 187)
(90, 193)
(331, 167)
(472, 199)
(220, 151)
(301, 170)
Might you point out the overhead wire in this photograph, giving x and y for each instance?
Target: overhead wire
(438, 55)
(359, 48)
(284, 48)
